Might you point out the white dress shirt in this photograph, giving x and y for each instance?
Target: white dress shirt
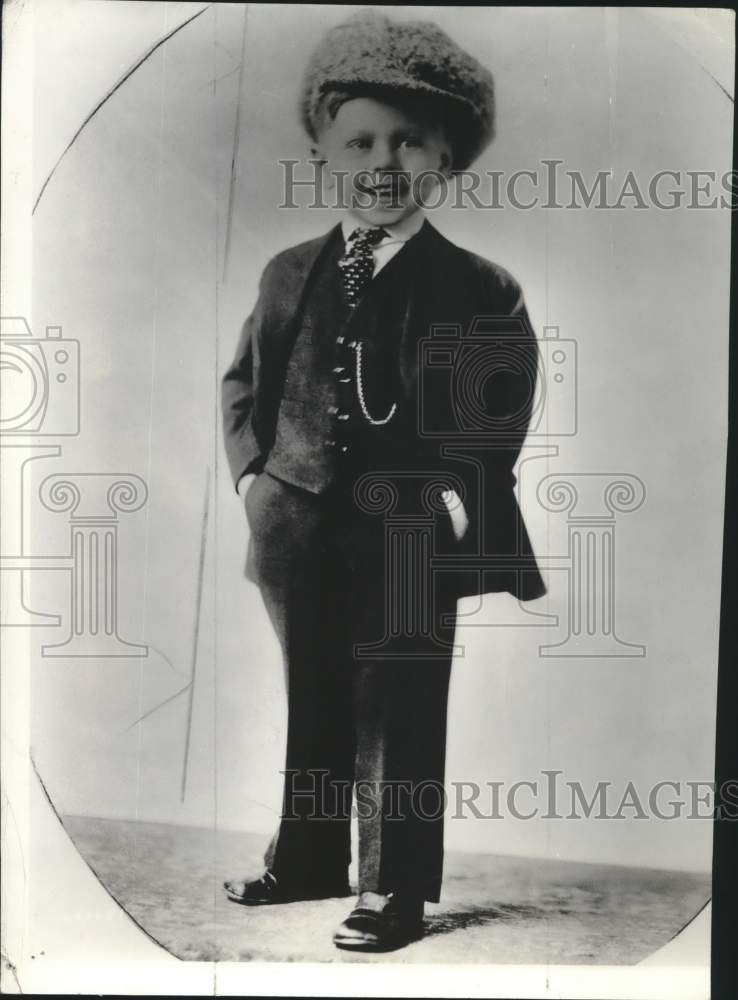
(398, 236)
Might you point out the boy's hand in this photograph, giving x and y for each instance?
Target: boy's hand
(244, 484)
(457, 513)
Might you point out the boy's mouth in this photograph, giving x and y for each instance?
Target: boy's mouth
(388, 188)
(382, 178)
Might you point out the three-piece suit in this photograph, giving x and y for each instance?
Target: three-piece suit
(332, 407)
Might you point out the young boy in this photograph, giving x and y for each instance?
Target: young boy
(324, 391)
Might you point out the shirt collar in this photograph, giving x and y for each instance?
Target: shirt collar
(401, 232)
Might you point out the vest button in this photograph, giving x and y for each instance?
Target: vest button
(333, 410)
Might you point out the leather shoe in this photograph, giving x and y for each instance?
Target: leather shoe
(269, 890)
(367, 928)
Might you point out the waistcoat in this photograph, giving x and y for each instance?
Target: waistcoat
(322, 431)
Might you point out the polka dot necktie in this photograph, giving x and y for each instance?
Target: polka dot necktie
(357, 263)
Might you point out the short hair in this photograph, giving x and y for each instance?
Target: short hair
(439, 110)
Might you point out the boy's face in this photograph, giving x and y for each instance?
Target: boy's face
(383, 150)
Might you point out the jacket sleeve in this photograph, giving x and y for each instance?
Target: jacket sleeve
(239, 397)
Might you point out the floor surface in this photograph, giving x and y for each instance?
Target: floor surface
(495, 909)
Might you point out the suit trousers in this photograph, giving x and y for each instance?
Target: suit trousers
(361, 725)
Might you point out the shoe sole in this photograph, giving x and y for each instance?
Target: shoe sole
(276, 902)
(354, 944)
(251, 902)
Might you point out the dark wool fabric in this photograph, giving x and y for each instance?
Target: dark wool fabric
(300, 454)
(429, 284)
(309, 439)
(366, 722)
(367, 700)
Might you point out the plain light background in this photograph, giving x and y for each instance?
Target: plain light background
(130, 242)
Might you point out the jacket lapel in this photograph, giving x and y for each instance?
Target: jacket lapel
(296, 279)
(430, 276)
(430, 273)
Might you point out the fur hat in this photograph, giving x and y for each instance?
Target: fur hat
(369, 53)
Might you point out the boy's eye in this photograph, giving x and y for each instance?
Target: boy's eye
(358, 144)
(412, 142)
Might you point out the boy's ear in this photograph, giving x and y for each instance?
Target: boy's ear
(318, 155)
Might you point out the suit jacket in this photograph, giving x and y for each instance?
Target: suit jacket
(467, 371)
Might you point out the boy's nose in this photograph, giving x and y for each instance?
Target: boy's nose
(386, 158)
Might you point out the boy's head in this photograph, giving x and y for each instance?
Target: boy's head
(386, 103)
(390, 148)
